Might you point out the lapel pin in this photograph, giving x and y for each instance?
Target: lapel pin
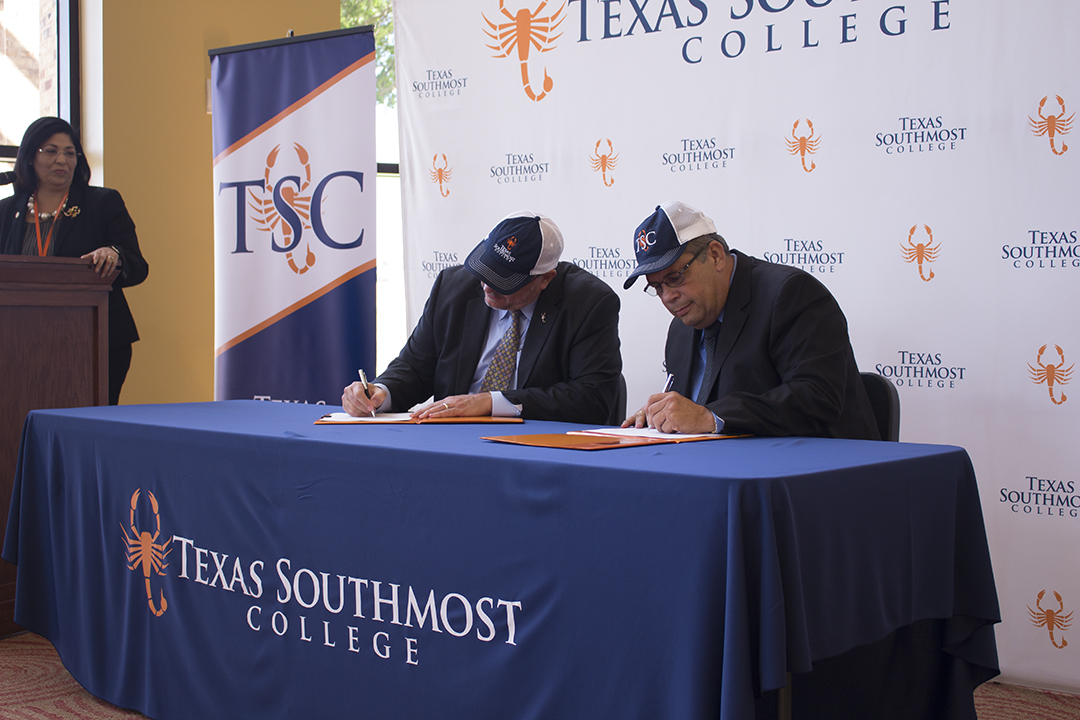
(543, 317)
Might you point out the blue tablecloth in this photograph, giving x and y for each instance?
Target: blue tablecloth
(390, 571)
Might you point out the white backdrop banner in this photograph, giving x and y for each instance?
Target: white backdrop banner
(294, 216)
(913, 156)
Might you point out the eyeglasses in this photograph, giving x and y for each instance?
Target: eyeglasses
(673, 280)
(51, 153)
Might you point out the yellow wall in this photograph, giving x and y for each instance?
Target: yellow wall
(155, 148)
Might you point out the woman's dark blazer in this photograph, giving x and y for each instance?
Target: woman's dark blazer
(102, 220)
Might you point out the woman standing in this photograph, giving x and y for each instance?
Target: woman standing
(54, 211)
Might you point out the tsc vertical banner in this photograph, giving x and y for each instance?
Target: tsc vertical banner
(294, 215)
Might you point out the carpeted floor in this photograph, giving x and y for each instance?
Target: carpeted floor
(994, 701)
(35, 686)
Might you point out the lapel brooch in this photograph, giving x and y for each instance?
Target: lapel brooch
(72, 211)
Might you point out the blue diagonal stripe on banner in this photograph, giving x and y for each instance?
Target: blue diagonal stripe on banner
(301, 67)
(316, 324)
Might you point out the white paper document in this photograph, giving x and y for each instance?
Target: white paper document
(340, 417)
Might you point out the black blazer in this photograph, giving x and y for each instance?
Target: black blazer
(102, 220)
(784, 361)
(570, 362)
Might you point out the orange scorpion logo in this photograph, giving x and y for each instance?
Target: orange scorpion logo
(526, 29)
(603, 163)
(921, 252)
(803, 144)
(143, 549)
(1052, 125)
(442, 174)
(1051, 619)
(1051, 374)
(268, 217)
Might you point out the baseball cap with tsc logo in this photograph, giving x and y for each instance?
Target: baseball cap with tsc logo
(659, 239)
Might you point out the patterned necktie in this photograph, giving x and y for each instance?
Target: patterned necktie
(501, 370)
(709, 335)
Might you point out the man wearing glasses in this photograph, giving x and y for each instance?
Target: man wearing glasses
(754, 347)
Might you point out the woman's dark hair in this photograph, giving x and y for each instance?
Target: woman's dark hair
(35, 136)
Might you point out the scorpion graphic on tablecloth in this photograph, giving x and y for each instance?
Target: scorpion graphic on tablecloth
(526, 29)
(145, 552)
(1051, 619)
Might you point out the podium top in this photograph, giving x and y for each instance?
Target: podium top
(26, 270)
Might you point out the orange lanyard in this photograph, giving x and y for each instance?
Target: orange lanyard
(42, 252)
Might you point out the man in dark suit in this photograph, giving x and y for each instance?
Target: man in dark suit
(755, 347)
(512, 332)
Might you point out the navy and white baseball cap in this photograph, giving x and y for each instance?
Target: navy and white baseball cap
(523, 245)
(659, 240)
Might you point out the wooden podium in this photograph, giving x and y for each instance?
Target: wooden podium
(54, 353)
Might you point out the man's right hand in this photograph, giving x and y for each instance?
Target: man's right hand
(357, 403)
(670, 412)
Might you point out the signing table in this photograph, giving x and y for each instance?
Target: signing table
(232, 559)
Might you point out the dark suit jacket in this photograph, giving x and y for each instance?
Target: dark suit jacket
(784, 361)
(570, 363)
(102, 221)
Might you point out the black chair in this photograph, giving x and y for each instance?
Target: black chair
(885, 401)
(7, 178)
(618, 413)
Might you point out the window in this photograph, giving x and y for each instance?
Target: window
(38, 71)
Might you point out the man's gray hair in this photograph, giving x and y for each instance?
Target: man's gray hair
(701, 241)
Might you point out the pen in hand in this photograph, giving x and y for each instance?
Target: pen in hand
(367, 390)
(667, 388)
(640, 416)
